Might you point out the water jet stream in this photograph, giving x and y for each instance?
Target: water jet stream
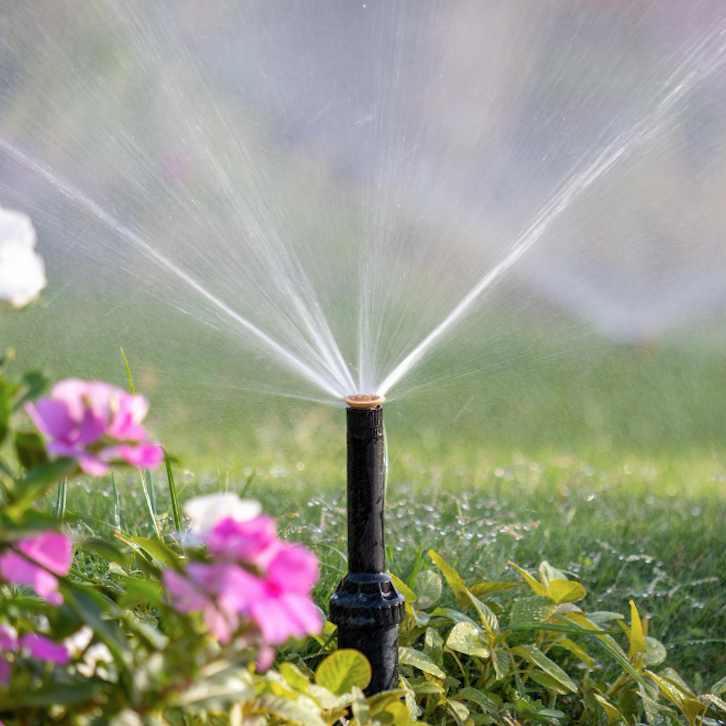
(578, 184)
(100, 213)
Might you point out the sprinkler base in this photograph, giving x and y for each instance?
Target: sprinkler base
(368, 610)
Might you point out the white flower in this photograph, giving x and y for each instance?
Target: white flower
(22, 272)
(95, 660)
(207, 510)
(80, 640)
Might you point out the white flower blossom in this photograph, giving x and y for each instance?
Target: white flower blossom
(206, 511)
(22, 272)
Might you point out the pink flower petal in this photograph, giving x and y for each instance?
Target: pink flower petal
(8, 638)
(245, 540)
(19, 571)
(52, 550)
(52, 418)
(148, 456)
(45, 649)
(294, 569)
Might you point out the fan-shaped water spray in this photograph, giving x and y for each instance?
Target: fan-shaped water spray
(332, 191)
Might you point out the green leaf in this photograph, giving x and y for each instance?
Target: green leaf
(488, 618)
(566, 591)
(466, 638)
(417, 659)
(453, 578)
(403, 589)
(428, 589)
(458, 710)
(483, 590)
(715, 701)
(576, 649)
(480, 698)
(719, 687)
(533, 609)
(655, 651)
(30, 449)
(537, 587)
(549, 683)
(173, 495)
(547, 573)
(286, 709)
(434, 645)
(502, 661)
(158, 550)
(637, 638)
(538, 658)
(294, 677)
(342, 670)
(361, 712)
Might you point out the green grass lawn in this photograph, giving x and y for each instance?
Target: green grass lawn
(604, 460)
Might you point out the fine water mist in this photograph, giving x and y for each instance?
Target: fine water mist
(313, 200)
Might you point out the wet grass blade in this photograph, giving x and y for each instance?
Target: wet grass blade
(116, 502)
(60, 500)
(128, 372)
(173, 495)
(145, 477)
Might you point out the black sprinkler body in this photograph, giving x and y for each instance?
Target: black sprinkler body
(366, 607)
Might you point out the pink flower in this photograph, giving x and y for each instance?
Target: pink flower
(252, 541)
(52, 551)
(276, 599)
(282, 607)
(45, 649)
(213, 590)
(97, 424)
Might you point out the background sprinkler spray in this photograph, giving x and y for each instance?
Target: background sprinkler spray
(366, 607)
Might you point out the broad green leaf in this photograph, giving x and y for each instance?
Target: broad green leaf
(483, 590)
(410, 700)
(671, 692)
(361, 712)
(428, 589)
(479, 697)
(294, 677)
(532, 609)
(55, 694)
(719, 687)
(422, 687)
(675, 678)
(466, 638)
(381, 701)
(538, 658)
(342, 670)
(548, 682)
(434, 645)
(637, 638)
(715, 700)
(286, 709)
(537, 587)
(655, 651)
(547, 573)
(453, 578)
(453, 615)
(566, 591)
(106, 549)
(417, 659)
(488, 618)
(458, 710)
(502, 661)
(403, 589)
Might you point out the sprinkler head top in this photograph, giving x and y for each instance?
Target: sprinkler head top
(364, 400)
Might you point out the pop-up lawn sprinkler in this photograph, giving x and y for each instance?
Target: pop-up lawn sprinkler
(366, 607)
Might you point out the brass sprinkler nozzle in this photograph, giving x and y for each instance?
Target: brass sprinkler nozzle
(364, 400)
